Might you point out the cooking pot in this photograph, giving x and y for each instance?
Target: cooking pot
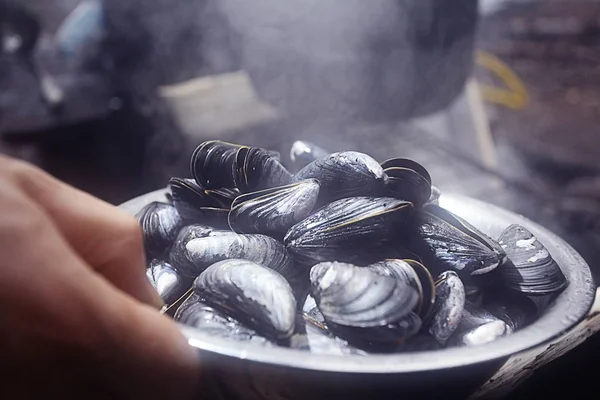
(240, 370)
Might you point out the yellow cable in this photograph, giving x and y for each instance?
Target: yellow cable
(516, 97)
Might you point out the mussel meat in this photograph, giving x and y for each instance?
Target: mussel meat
(195, 205)
(345, 174)
(160, 223)
(364, 307)
(255, 169)
(407, 180)
(478, 327)
(258, 297)
(274, 211)
(212, 164)
(169, 284)
(303, 153)
(354, 229)
(531, 268)
(192, 312)
(445, 241)
(449, 306)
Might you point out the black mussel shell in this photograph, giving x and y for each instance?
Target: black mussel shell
(194, 313)
(446, 242)
(407, 180)
(169, 284)
(531, 268)
(449, 306)
(419, 342)
(258, 297)
(195, 205)
(354, 229)
(345, 174)
(179, 256)
(195, 255)
(160, 223)
(512, 307)
(255, 169)
(414, 274)
(303, 153)
(212, 164)
(364, 307)
(274, 211)
(223, 196)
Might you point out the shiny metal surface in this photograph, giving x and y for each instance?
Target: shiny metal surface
(570, 308)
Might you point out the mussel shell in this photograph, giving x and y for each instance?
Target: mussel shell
(255, 169)
(169, 284)
(179, 257)
(223, 196)
(427, 285)
(355, 229)
(195, 205)
(194, 313)
(449, 306)
(198, 254)
(273, 211)
(160, 223)
(512, 307)
(531, 268)
(446, 242)
(211, 164)
(303, 153)
(363, 306)
(345, 174)
(419, 342)
(435, 196)
(407, 180)
(258, 297)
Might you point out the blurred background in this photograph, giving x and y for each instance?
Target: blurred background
(499, 99)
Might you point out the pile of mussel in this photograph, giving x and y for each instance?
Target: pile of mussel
(343, 255)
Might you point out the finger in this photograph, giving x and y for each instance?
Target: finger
(107, 238)
(56, 298)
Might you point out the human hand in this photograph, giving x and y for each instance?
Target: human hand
(79, 317)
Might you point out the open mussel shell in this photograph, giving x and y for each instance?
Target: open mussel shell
(407, 180)
(345, 174)
(192, 312)
(169, 284)
(355, 229)
(274, 211)
(258, 297)
(364, 307)
(303, 153)
(212, 164)
(449, 306)
(160, 223)
(446, 242)
(195, 205)
(255, 169)
(413, 273)
(531, 268)
(193, 256)
(512, 307)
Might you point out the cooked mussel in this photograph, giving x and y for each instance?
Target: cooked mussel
(192, 312)
(160, 223)
(169, 284)
(255, 169)
(445, 241)
(195, 205)
(303, 153)
(364, 307)
(449, 306)
(212, 164)
(193, 256)
(478, 326)
(407, 180)
(257, 296)
(274, 211)
(531, 268)
(354, 229)
(416, 275)
(345, 174)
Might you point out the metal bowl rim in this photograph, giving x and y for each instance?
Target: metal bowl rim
(570, 308)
